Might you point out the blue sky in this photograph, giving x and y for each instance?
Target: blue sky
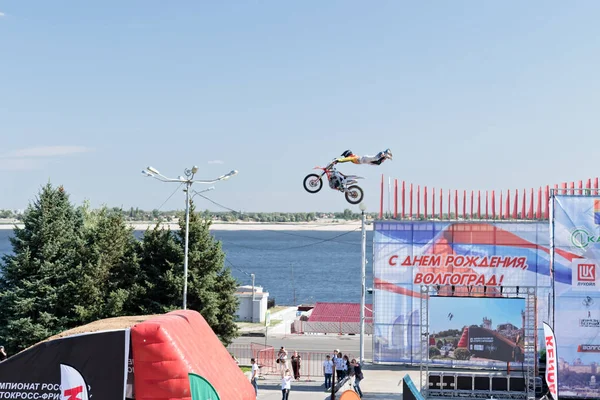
(471, 311)
(467, 94)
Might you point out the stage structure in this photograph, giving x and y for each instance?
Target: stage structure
(500, 386)
(471, 290)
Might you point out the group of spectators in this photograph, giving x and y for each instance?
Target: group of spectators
(344, 367)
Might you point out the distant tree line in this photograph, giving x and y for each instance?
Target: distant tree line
(73, 265)
(138, 215)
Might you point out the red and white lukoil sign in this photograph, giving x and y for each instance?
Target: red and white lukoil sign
(551, 365)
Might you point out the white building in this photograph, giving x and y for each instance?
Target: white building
(248, 310)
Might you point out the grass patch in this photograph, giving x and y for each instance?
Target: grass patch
(277, 309)
(245, 369)
(275, 322)
(249, 324)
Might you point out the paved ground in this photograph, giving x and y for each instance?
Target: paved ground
(381, 383)
(318, 343)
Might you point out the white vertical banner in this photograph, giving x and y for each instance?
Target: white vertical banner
(72, 384)
(551, 364)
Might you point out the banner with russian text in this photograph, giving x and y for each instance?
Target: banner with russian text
(460, 259)
(84, 366)
(576, 229)
(551, 364)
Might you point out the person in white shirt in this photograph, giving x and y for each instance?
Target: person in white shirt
(254, 375)
(339, 367)
(327, 371)
(286, 384)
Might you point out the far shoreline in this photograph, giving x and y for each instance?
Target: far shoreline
(245, 226)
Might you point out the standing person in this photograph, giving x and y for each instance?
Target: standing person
(282, 359)
(339, 366)
(358, 376)
(296, 359)
(327, 371)
(254, 375)
(286, 384)
(346, 366)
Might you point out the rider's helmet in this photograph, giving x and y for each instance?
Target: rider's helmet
(347, 153)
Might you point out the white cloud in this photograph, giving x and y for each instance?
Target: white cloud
(216, 162)
(46, 151)
(2, 14)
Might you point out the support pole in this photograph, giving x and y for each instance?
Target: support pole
(363, 293)
(381, 200)
(187, 242)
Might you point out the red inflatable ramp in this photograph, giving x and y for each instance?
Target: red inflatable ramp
(167, 347)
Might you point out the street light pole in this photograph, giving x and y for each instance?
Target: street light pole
(363, 207)
(187, 241)
(189, 181)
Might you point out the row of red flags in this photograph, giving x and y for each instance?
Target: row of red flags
(488, 206)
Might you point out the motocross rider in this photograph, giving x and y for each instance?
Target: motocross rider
(349, 156)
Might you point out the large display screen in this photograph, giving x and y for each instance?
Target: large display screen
(476, 329)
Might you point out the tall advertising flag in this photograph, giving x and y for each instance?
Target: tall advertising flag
(551, 367)
(72, 384)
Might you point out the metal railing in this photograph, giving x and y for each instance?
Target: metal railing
(334, 325)
(311, 362)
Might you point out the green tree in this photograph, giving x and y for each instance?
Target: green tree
(161, 259)
(39, 284)
(211, 286)
(112, 276)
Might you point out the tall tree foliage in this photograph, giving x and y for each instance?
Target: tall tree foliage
(161, 259)
(39, 283)
(211, 286)
(72, 266)
(112, 277)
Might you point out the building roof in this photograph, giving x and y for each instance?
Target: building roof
(339, 312)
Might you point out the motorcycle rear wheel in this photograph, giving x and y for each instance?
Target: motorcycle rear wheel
(354, 194)
(313, 183)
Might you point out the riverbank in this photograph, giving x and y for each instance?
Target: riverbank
(322, 225)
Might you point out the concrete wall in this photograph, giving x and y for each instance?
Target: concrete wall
(248, 310)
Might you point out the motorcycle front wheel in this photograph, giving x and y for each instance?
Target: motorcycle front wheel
(354, 194)
(313, 183)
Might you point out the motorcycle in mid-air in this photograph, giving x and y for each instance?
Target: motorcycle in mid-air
(337, 181)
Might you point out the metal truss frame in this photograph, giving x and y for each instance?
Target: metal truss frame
(530, 347)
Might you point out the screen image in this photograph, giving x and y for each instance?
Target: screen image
(476, 329)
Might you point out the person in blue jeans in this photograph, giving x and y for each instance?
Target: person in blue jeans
(358, 376)
(327, 371)
(254, 375)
